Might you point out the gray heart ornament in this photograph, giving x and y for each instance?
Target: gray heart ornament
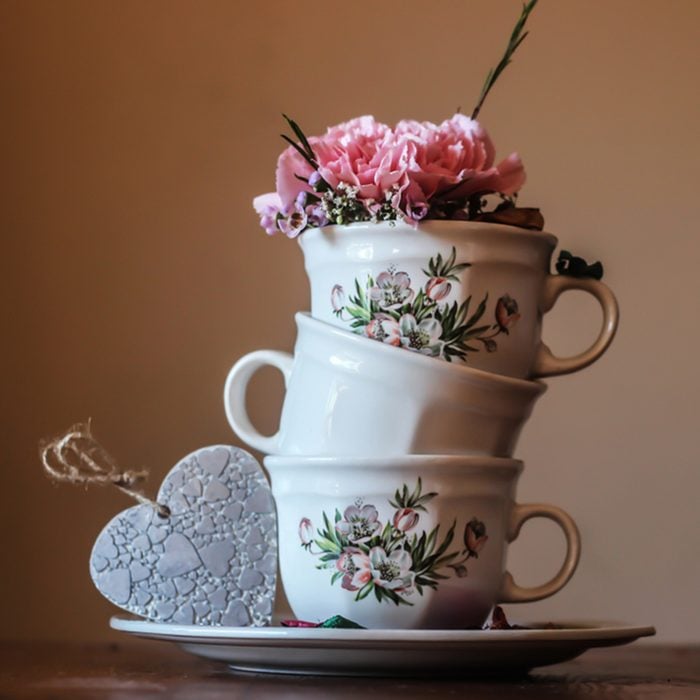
(212, 561)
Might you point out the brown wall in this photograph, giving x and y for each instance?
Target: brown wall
(134, 136)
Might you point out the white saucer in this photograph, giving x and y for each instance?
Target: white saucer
(351, 652)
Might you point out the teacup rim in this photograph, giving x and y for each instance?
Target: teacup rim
(462, 462)
(485, 228)
(534, 386)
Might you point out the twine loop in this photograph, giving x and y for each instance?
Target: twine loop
(76, 457)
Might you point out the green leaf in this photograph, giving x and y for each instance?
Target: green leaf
(451, 260)
(300, 151)
(426, 580)
(476, 332)
(417, 490)
(365, 591)
(336, 576)
(458, 268)
(420, 548)
(302, 137)
(477, 314)
(430, 542)
(328, 545)
(447, 541)
(359, 313)
(394, 597)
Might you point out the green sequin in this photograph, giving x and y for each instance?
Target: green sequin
(340, 622)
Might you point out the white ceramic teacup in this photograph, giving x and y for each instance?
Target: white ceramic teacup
(464, 291)
(414, 542)
(347, 395)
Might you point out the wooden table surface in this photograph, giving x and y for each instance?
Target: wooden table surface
(142, 670)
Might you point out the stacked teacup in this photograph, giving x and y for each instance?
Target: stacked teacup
(409, 385)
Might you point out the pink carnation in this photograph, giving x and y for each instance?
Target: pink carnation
(362, 153)
(457, 151)
(407, 169)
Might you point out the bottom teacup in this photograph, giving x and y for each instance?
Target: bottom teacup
(414, 542)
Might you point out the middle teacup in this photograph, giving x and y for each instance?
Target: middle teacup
(350, 396)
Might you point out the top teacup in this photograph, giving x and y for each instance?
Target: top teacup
(460, 291)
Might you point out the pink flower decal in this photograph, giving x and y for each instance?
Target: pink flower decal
(355, 567)
(384, 329)
(337, 299)
(437, 288)
(506, 312)
(389, 310)
(372, 557)
(392, 571)
(358, 523)
(405, 519)
(423, 336)
(306, 532)
(475, 537)
(392, 290)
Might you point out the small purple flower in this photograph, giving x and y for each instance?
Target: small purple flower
(316, 215)
(294, 224)
(268, 208)
(268, 221)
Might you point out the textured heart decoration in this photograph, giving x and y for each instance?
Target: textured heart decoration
(213, 561)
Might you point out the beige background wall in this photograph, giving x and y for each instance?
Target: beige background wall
(134, 136)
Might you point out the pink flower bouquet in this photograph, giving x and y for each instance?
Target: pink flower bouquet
(363, 170)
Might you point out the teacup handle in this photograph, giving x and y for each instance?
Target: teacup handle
(511, 592)
(547, 364)
(235, 393)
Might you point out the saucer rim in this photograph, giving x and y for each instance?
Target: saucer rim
(565, 631)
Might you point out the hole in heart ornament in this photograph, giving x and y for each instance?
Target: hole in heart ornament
(212, 562)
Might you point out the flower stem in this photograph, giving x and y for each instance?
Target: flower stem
(516, 38)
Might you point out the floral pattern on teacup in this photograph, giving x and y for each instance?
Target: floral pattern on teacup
(390, 559)
(390, 310)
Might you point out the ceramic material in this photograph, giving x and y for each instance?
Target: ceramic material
(347, 395)
(401, 653)
(213, 561)
(415, 542)
(462, 291)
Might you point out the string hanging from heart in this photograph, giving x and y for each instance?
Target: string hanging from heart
(76, 457)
